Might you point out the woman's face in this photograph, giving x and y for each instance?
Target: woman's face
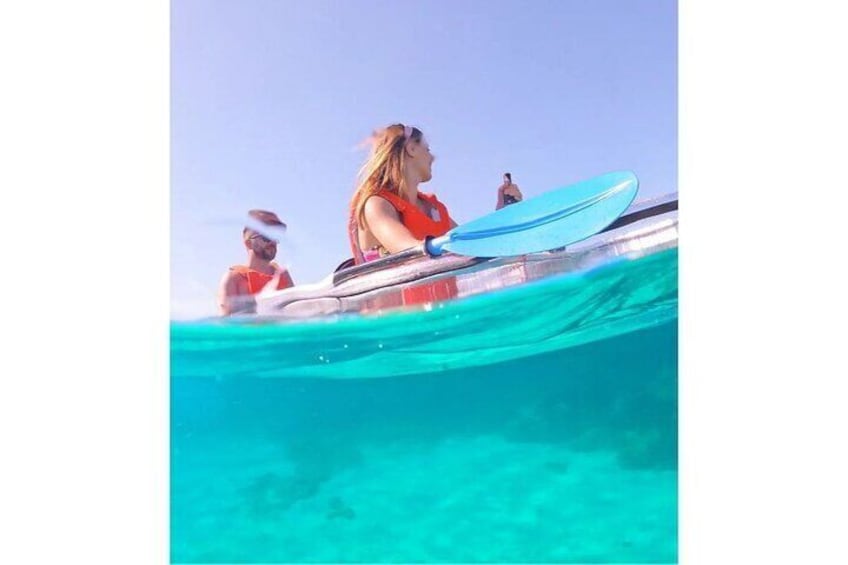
(421, 159)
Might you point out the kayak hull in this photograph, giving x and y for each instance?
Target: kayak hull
(412, 279)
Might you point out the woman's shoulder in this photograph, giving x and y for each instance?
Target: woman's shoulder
(385, 198)
(382, 203)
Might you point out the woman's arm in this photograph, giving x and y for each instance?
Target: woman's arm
(383, 221)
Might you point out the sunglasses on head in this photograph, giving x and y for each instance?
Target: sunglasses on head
(262, 238)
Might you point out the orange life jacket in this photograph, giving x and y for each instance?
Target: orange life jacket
(419, 224)
(256, 280)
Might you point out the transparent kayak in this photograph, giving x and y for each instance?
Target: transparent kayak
(414, 280)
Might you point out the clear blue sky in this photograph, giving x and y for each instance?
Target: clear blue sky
(270, 98)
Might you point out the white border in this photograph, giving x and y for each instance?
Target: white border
(85, 237)
(762, 108)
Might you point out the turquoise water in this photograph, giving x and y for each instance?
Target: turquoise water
(536, 424)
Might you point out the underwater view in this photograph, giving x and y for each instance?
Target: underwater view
(531, 424)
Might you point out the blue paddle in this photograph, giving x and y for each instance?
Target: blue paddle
(554, 219)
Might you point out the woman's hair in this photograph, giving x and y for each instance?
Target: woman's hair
(383, 170)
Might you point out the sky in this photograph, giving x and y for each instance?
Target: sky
(271, 99)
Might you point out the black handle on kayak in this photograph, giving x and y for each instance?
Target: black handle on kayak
(381, 264)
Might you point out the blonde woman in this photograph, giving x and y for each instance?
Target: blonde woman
(387, 213)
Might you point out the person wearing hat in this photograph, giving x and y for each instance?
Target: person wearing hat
(241, 282)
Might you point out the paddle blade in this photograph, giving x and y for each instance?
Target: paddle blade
(554, 219)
